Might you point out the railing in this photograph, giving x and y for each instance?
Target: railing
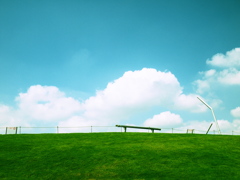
(96, 129)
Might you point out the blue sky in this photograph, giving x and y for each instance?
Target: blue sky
(78, 49)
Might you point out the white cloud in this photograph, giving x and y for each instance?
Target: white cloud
(132, 94)
(137, 91)
(197, 126)
(190, 103)
(47, 103)
(236, 125)
(138, 87)
(228, 76)
(10, 117)
(231, 59)
(210, 73)
(202, 86)
(225, 126)
(164, 120)
(40, 105)
(208, 79)
(236, 112)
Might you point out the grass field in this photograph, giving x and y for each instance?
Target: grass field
(119, 156)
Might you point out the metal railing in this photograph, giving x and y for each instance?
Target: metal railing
(97, 129)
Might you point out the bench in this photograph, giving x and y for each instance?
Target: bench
(138, 127)
(190, 131)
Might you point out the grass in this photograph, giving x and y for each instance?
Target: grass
(119, 156)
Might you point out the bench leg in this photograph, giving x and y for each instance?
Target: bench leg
(125, 129)
(152, 130)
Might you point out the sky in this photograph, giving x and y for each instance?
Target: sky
(137, 62)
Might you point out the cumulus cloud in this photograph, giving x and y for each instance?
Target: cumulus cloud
(227, 75)
(231, 59)
(236, 112)
(226, 127)
(133, 93)
(40, 105)
(170, 120)
(197, 125)
(164, 120)
(190, 103)
(139, 87)
(135, 90)
(47, 103)
(10, 117)
(139, 90)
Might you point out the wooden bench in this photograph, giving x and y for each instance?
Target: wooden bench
(190, 131)
(138, 127)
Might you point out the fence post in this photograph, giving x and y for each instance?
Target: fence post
(57, 129)
(172, 130)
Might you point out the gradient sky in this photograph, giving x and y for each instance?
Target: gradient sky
(80, 46)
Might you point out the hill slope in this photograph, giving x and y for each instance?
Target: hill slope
(119, 156)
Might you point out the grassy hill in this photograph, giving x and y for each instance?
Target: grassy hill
(119, 156)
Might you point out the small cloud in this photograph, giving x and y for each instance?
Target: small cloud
(190, 103)
(10, 117)
(202, 126)
(164, 120)
(226, 126)
(210, 73)
(231, 59)
(202, 86)
(236, 112)
(229, 75)
(197, 125)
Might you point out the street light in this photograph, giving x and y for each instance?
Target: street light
(214, 117)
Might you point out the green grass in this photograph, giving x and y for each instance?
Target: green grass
(119, 156)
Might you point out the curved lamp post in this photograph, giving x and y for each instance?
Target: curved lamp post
(214, 117)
